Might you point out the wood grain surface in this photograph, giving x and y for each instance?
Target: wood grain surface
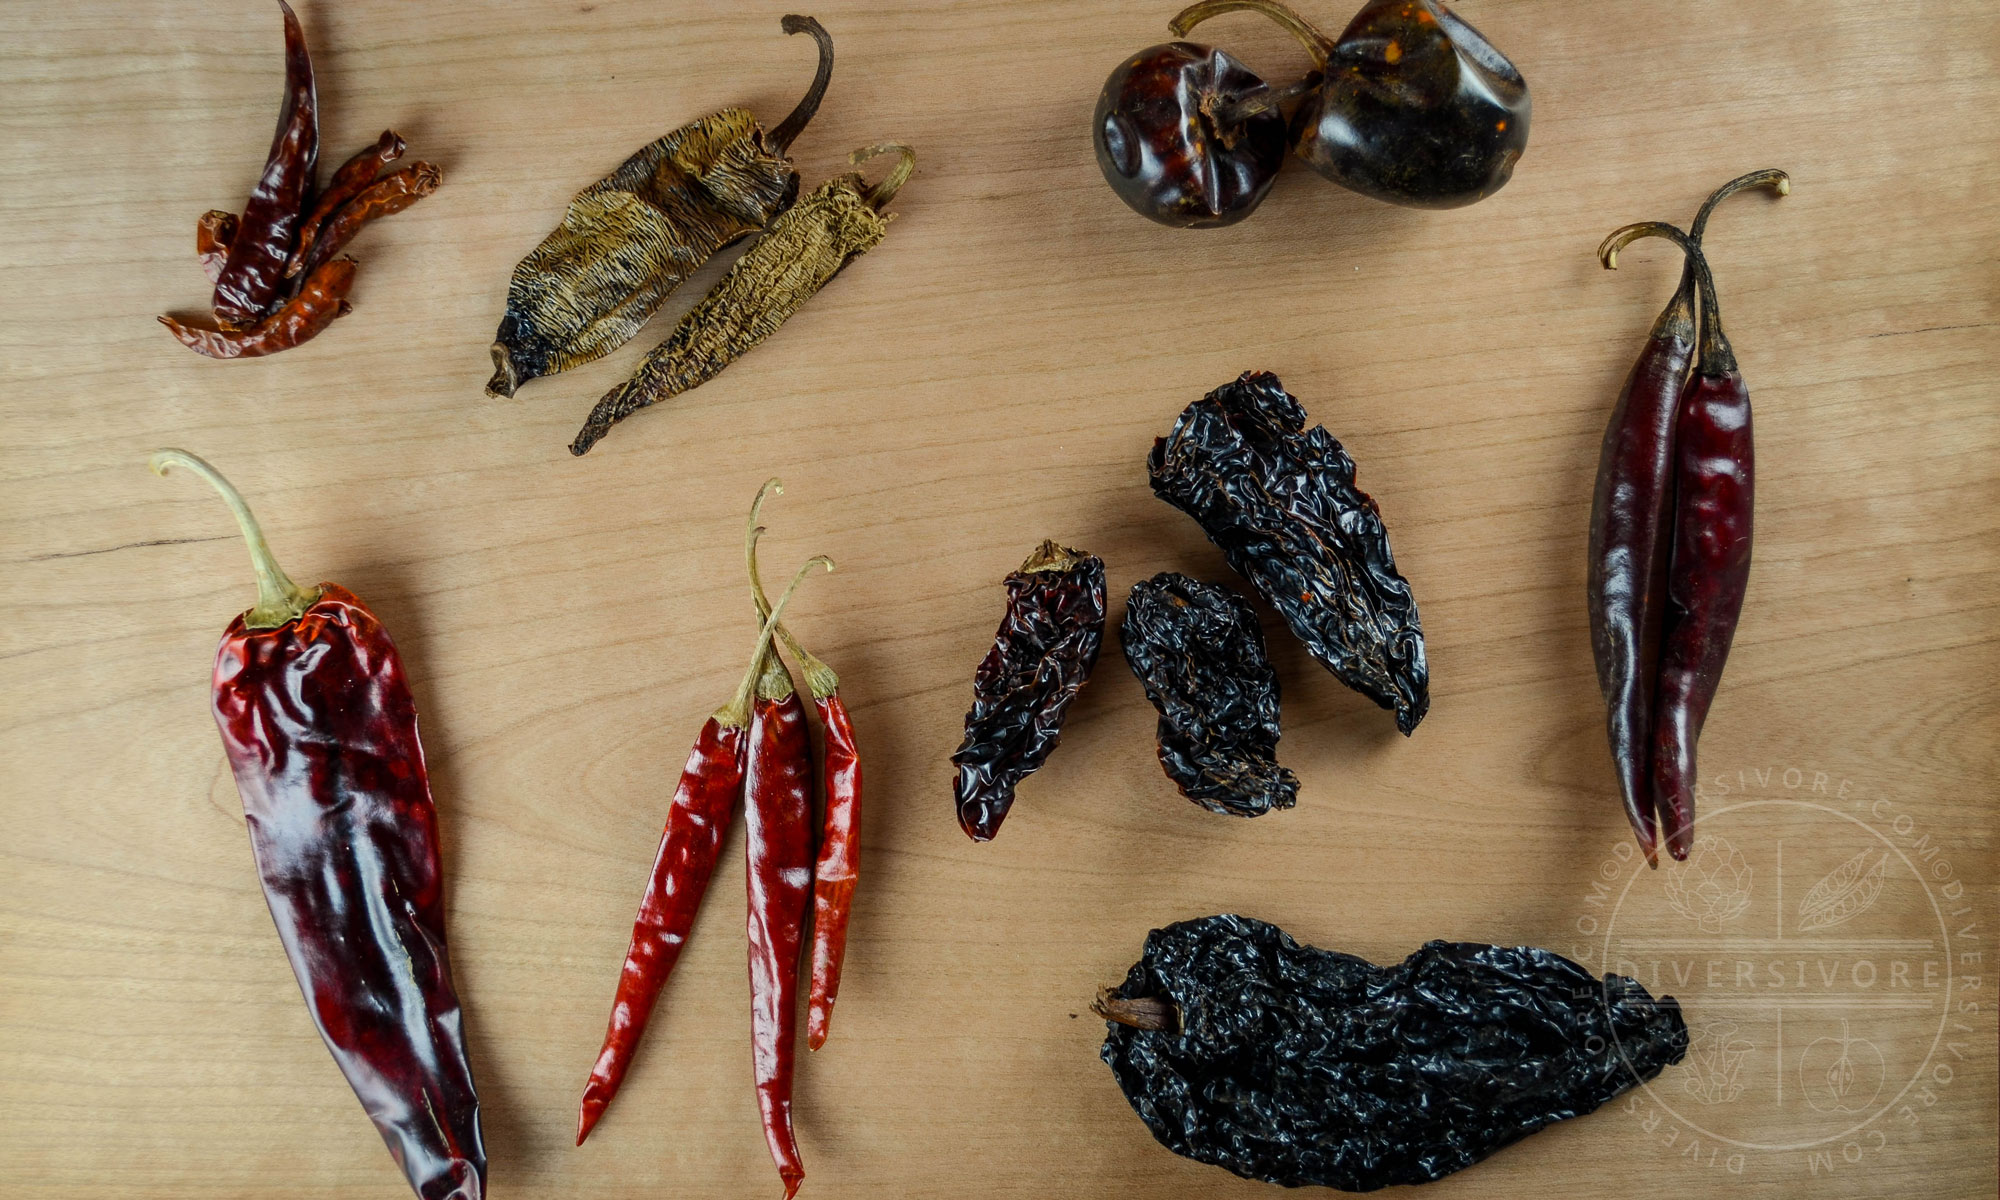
(994, 373)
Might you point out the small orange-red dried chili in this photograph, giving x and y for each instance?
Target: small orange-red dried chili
(323, 298)
(349, 181)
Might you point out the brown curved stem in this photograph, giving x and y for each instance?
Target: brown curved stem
(794, 124)
(1771, 177)
(1230, 117)
(878, 197)
(279, 600)
(1717, 358)
(1141, 1012)
(736, 714)
(1317, 44)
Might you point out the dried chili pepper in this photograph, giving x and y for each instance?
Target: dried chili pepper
(1199, 652)
(1240, 1048)
(321, 733)
(253, 276)
(1709, 569)
(805, 247)
(323, 298)
(1188, 136)
(1041, 657)
(352, 178)
(212, 236)
(1280, 501)
(838, 866)
(277, 282)
(1630, 542)
(631, 238)
(702, 807)
(777, 807)
(1409, 104)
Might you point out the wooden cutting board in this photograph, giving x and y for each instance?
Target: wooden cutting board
(994, 373)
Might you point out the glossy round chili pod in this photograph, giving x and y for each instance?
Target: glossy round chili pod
(1410, 104)
(1188, 136)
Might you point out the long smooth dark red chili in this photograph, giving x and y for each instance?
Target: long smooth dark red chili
(838, 866)
(321, 733)
(255, 269)
(1631, 521)
(697, 819)
(777, 790)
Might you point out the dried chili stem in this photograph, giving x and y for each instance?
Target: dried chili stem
(278, 599)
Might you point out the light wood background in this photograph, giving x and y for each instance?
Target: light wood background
(993, 374)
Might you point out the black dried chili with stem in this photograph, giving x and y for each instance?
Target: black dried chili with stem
(1042, 655)
(1630, 522)
(1199, 652)
(253, 275)
(1241, 1048)
(1709, 571)
(628, 240)
(805, 247)
(1279, 500)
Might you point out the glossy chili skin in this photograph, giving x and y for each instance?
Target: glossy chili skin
(839, 864)
(1630, 544)
(1715, 486)
(777, 805)
(1042, 655)
(699, 816)
(212, 236)
(321, 300)
(254, 273)
(1169, 145)
(321, 733)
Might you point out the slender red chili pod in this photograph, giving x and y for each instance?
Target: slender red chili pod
(319, 302)
(697, 819)
(321, 732)
(353, 178)
(777, 791)
(838, 867)
(392, 193)
(212, 236)
(249, 285)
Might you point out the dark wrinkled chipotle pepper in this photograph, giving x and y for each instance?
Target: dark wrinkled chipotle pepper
(628, 240)
(1199, 652)
(1044, 651)
(1280, 501)
(1240, 1048)
(321, 733)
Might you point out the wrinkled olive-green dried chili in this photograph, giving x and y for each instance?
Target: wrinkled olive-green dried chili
(803, 249)
(631, 238)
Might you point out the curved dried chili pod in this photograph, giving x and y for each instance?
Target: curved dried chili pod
(253, 275)
(392, 193)
(1198, 651)
(1240, 1048)
(805, 247)
(212, 236)
(1042, 655)
(1279, 500)
(631, 238)
(320, 731)
(1630, 539)
(349, 181)
(323, 298)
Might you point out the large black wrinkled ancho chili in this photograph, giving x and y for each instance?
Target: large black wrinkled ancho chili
(1042, 654)
(1199, 652)
(1280, 501)
(1240, 1048)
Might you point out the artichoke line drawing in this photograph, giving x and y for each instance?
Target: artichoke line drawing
(1712, 888)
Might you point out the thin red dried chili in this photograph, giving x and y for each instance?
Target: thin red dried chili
(320, 730)
(838, 867)
(353, 178)
(252, 277)
(323, 298)
(703, 803)
(392, 193)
